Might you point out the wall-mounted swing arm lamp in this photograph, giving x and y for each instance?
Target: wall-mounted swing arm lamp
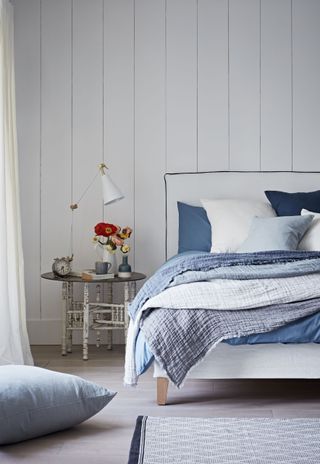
(110, 193)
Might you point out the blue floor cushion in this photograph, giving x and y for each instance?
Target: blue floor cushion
(35, 401)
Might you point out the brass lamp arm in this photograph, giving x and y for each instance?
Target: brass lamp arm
(101, 167)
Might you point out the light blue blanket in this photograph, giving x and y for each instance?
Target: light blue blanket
(194, 267)
(305, 330)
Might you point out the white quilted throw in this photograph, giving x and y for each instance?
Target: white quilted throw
(237, 294)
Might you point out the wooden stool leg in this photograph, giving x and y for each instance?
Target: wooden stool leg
(162, 390)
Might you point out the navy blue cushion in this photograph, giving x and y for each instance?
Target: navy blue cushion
(291, 204)
(194, 228)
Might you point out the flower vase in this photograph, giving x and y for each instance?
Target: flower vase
(112, 259)
(124, 268)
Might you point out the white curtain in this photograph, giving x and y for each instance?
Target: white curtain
(14, 344)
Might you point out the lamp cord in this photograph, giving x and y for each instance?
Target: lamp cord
(71, 234)
(89, 186)
(72, 211)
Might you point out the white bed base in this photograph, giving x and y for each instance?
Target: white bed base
(269, 361)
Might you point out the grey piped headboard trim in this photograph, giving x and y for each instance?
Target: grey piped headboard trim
(172, 174)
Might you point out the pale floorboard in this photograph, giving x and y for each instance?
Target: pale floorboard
(106, 437)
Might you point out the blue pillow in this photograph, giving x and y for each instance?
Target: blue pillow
(194, 228)
(35, 401)
(291, 204)
(277, 233)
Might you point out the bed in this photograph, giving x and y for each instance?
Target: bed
(266, 361)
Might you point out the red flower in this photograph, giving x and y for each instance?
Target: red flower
(100, 229)
(110, 229)
(105, 229)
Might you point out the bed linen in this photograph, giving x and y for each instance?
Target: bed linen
(304, 330)
(200, 267)
(194, 228)
(230, 220)
(278, 233)
(311, 239)
(291, 204)
(179, 340)
(220, 294)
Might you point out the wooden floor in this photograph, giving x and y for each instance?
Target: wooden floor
(106, 437)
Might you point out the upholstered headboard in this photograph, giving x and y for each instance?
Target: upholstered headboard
(190, 187)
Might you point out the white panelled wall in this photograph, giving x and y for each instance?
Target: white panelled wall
(151, 86)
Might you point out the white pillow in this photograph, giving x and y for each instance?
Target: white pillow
(231, 220)
(311, 239)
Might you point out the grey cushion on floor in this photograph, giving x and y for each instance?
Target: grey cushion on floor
(35, 401)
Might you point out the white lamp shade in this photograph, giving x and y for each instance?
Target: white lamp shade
(111, 193)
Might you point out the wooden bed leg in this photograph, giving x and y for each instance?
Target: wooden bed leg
(162, 390)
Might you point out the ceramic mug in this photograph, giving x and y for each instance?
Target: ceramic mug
(102, 267)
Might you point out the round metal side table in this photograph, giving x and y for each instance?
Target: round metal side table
(95, 315)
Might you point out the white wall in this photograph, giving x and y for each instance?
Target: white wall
(151, 86)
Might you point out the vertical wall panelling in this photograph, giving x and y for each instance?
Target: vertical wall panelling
(56, 177)
(150, 86)
(182, 85)
(306, 79)
(27, 49)
(87, 110)
(149, 133)
(118, 107)
(118, 114)
(276, 91)
(244, 43)
(213, 85)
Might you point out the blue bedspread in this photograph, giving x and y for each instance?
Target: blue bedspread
(193, 267)
(306, 330)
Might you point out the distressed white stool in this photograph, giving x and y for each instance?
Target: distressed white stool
(95, 315)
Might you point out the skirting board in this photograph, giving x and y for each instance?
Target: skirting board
(48, 332)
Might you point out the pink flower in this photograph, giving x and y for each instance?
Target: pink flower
(117, 240)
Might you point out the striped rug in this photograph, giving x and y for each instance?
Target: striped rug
(187, 440)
